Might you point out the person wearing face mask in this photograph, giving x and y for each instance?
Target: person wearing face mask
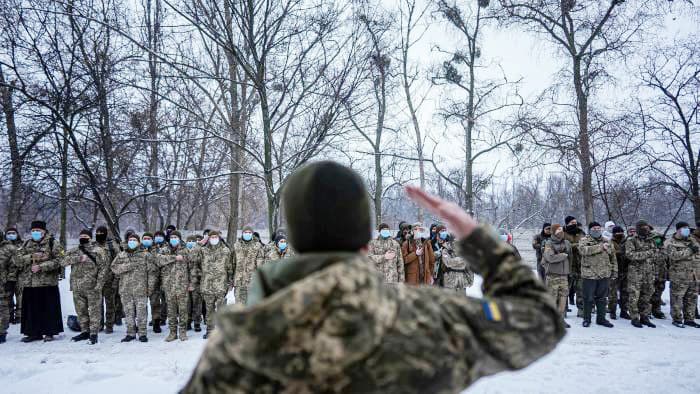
(41, 300)
(248, 256)
(598, 266)
(684, 254)
(660, 275)
(556, 261)
(131, 268)
(538, 244)
(178, 276)
(217, 276)
(400, 235)
(454, 272)
(110, 290)
(607, 230)
(619, 286)
(507, 238)
(640, 251)
(418, 257)
(385, 254)
(574, 234)
(89, 266)
(194, 298)
(279, 249)
(159, 304)
(10, 287)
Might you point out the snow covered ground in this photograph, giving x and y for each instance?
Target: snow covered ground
(623, 359)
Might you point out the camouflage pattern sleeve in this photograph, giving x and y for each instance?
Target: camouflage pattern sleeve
(103, 264)
(400, 263)
(677, 251)
(122, 264)
(69, 259)
(588, 248)
(163, 260)
(613, 260)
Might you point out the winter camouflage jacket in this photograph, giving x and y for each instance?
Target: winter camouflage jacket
(574, 240)
(661, 261)
(131, 269)
(8, 272)
(110, 248)
(273, 253)
(596, 262)
(216, 269)
(325, 322)
(24, 259)
(685, 263)
(249, 256)
(557, 256)
(176, 276)
(392, 271)
(641, 251)
(84, 276)
(457, 274)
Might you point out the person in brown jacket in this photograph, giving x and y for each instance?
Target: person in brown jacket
(418, 257)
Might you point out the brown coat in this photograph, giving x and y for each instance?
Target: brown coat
(411, 262)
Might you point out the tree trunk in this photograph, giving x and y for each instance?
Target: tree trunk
(416, 129)
(63, 231)
(584, 143)
(16, 161)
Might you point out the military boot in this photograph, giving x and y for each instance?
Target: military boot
(3, 338)
(625, 315)
(93, 339)
(637, 323)
(658, 314)
(587, 310)
(678, 324)
(128, 338)
(81, 337)
(143, 338)
(197, 327)
(600, 316)
(156, 326)
(613, 315)
(189, 325)
(645, 320)
(692, 323)
(183, 335)
(172, 336)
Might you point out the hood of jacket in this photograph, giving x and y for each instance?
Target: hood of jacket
(309, 317)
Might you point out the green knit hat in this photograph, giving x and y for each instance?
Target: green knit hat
(327, 209)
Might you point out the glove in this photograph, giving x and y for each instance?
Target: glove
(9, 287)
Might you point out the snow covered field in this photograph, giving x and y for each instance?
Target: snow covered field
(623, 359)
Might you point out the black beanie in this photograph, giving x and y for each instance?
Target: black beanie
(86, 232)
(147, 234)
(568, 220)
(618, 230)
(40, 224)
(11, 229)
(327, 209)
(680, 225)
(593, 224)
(383, 226)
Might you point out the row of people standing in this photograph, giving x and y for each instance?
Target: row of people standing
(606, 268)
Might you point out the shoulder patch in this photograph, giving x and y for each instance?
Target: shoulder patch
(491, 311)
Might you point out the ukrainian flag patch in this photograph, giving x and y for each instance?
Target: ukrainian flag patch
(491, 311)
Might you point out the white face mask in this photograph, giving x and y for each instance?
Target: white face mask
(214, 241)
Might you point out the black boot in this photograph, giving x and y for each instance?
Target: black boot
(118, 321)
(613, 315)
(189, 326)
(600, 315)
(150, 323)
(143, 338)
(692, 323)
(93, 339)
(206, 335)
(646, 322)
(81, 337)
(678, 324)
(32, 338)
(156, 326)
(3, 338)
(658, 314)
(625, 315)
(637, 324)
(197, 327)
(128, 338)
(162, 322)
(587, 309)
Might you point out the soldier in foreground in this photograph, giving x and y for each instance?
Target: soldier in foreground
(325, 322)
(131, 268)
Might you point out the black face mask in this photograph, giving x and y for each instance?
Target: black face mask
(101, 238)
(571, 228)
(619, 237)
(84, 241)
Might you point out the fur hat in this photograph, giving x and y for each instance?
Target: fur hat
(40, 224)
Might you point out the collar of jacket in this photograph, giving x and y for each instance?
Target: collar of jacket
(271, 278)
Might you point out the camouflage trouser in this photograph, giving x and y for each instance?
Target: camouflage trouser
(136, 310)
(241, 294)
(684, 300)
(612, 295)
(640, 283)
(157, 300)
(18, 302)
(213, 303)
(109, 293)
(4, 312)
(195, 298)
(88, 309)
(622, 285)
(178, 312)
(558, 286)
(659, 286)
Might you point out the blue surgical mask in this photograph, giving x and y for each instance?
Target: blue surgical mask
(174, 242)
(11, 237)
(247, 236)
(147, 243)
(385, 233)
(503, 237)
(444, 235)
(685, 232)
(282, 245)
(214, 241)
(595, 233)
(37, 235)
(190, 244)
(159, 239)
(132, 244)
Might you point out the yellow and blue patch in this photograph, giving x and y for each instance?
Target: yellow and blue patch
(491, 311)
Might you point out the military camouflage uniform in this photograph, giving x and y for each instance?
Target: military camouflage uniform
(131, 268)
(24, 259)
(640, 253)
(248, 256)
(86, 281)
(619, 284)
(598, 265)
(157, 297)
(575, 282)
(110, 289)
(392, 271)
(556, 261)
(176, 278)
(456, 273)
(660, 275)
(217, 277)
(684, 274)
(195, 296)
(273, 253)
(325, 322)
(8, 273)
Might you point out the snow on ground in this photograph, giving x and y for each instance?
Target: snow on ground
(623, 359)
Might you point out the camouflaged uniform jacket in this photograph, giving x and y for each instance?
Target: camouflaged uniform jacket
(176, 276)
(641, 251)
(457, 274)
(249, 256)
(8, 273)
(131, 268)
(393, 271)
(216, 269)
(84, 276)
(596, 262)
(574, 240)
(273, 253)
(685, 264)
(24, 259)
(326, 323)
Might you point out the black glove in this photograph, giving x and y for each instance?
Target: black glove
(694, 248)
(9, 287)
